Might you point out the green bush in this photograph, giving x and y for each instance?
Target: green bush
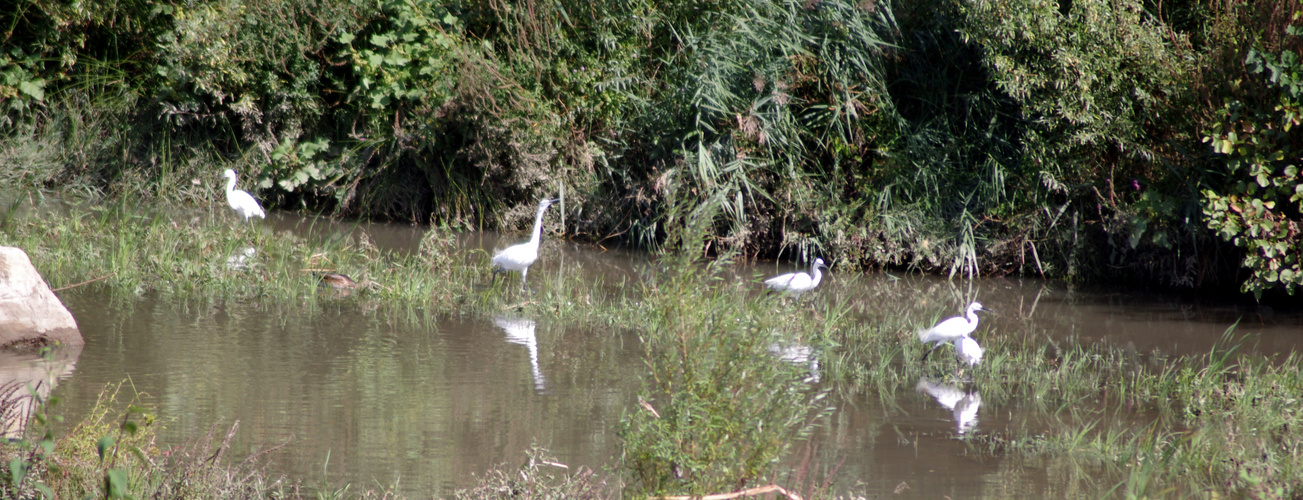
(1261, 210)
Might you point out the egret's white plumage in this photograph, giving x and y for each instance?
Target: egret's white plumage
(521, 332)
(951, 329)
(963, 405)
(241, 201)
(968, 350)
(520, 257)
(797, 283)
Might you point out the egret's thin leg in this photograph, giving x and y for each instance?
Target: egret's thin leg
(523, 274)
(929, 351)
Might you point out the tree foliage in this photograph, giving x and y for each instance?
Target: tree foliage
(1262, 208)
(962, 136)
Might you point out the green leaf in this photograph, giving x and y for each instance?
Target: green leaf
(103, 445)
(346, 38)
(17, 471)
(1136, 232)
(115, 483)
(34, 88)
(1224, 146)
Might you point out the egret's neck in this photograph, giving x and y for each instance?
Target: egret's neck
(230, 184)
(817, 275)
(537, 235)
(972, 317)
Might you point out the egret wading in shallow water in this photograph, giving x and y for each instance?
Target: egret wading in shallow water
(797, 283)
(241, 201)
(953, 329)
(520, 257)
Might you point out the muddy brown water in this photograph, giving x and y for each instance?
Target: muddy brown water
(350, 396)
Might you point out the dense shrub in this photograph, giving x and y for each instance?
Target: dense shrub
(1261, 209)
(963, 136)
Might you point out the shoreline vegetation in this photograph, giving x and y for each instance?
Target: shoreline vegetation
(1093, 141)
(1150, 143)
(1219, 423)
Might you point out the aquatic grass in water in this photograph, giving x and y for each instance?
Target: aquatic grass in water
(726, 408)
(718, 409)
(1195, 424)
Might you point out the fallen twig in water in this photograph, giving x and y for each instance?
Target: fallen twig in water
(749, 492)
(84, 282)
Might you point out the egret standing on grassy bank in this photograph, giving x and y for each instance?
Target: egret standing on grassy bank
(953, 329)
(520, 257)
(241, 201)
(797, 283)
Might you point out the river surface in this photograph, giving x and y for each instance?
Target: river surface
(350, 396)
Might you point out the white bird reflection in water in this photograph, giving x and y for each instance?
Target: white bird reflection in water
(798, 354)
(963, 404)
(241, 259)
(520, 331)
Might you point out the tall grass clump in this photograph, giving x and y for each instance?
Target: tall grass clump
(719, 409)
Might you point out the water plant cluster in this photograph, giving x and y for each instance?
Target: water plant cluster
(1093, 139)
(719, 410)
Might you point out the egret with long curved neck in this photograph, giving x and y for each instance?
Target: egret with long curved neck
(797, 283)
(952, 329)
(520, 257)
(241, 201)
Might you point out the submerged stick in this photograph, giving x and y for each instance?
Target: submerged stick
(759, 490)
(87, 282)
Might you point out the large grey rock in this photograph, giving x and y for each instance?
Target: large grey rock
(30, 314)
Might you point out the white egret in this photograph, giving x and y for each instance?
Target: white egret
(521, 332)
(963, 405)
(951, 329)
(968, 350)
(799, 282)
(241, 201)
(520, 257)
